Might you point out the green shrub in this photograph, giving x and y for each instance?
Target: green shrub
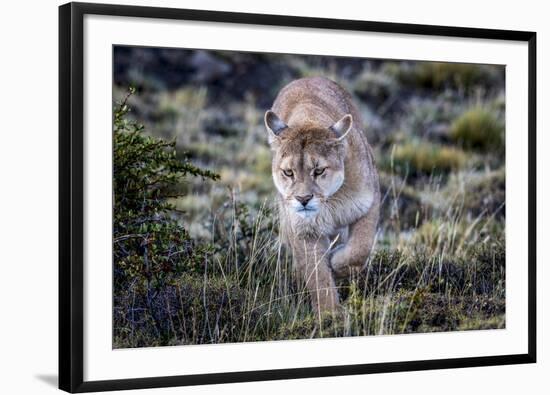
(150, 248)
(480, 129)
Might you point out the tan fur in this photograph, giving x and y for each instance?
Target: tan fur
(309, 130)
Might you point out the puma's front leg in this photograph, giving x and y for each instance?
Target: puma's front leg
(311, 259)
(353, 255)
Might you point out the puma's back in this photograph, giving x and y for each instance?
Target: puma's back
(310, 101)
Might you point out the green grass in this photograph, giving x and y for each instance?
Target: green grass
(478, 128)
(439, 75)
(442, 280)
(417, 157)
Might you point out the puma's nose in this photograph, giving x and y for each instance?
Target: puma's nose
(304, 199)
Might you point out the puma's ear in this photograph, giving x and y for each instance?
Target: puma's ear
(274, 125)
(342, 127)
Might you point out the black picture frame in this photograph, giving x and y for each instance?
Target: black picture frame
(71, 204)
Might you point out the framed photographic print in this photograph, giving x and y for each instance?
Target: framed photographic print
(253, 197)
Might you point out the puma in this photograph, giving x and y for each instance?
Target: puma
(327, 183)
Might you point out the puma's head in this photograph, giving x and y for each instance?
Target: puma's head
(308, 163)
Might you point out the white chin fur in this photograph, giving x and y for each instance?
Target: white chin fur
(309, 212)
(306, 213)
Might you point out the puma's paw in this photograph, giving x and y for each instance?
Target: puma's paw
(338, 262)
(343, 264)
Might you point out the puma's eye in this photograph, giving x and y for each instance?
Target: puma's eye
(288, 173)
(318, 171)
